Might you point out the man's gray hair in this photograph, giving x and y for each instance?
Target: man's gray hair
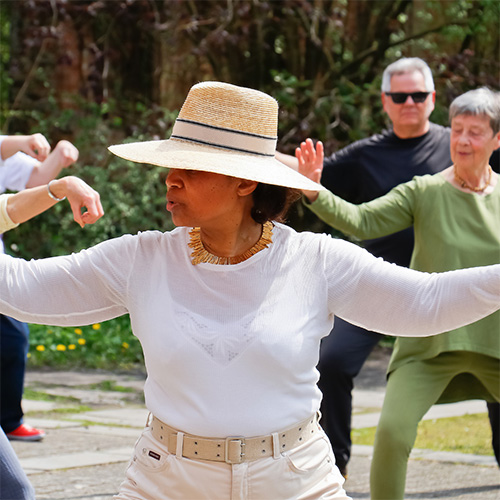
(482, 101)
(407, 65)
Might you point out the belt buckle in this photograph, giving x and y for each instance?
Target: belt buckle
(241, 455)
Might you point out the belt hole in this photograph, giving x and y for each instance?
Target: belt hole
(263, 451)
(263, 441)
(300, 428)
(283, 435)
(300, 439)
(196, 453)
(161, 427)
(218, 454)
(196, 443)
(218, 446)
(283, 445)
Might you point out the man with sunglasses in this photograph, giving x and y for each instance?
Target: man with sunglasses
(361, 172)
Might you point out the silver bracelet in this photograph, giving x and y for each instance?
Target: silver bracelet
(51, 194)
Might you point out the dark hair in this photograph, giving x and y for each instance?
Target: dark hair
(272, 202)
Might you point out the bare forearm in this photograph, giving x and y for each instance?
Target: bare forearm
(26, 204)
(63, 156)
(11, 145)
(85, 201)
(34, 145)
(45, 172)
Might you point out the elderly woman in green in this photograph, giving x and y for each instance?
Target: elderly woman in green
(456, 218)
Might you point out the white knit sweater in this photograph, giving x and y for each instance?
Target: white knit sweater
(232, 350)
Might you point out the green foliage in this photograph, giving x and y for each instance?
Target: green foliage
(101, 73)
(109, 345)
(132, 195)
(5, 80)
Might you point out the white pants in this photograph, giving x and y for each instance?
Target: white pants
(306, 472)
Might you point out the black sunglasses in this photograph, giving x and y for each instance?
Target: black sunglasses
(400, 97)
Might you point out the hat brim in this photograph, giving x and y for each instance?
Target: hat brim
(189, 156)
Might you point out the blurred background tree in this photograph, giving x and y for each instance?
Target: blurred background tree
(101, 72)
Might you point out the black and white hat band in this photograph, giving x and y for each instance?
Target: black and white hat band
(235, 140)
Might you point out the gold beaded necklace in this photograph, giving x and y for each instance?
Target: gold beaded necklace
(463, 183)
(201, 254)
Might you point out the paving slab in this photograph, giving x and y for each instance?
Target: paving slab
(130, 417)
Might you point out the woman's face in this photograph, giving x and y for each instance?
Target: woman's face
(472, 141)
(196, 198)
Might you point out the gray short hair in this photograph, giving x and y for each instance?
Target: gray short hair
(407, 65)
(482, 101)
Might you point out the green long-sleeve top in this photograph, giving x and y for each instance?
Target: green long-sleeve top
(453, 230)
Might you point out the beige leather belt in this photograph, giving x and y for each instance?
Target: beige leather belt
(233, 449)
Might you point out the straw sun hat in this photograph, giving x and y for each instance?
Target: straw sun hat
(224, 129)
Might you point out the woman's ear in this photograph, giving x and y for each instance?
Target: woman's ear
(246, 187)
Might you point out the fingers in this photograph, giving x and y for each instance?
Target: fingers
(310, 159)
(320, 154)
(37, 147)
(308, 151)
(91, 204)
(82, 197)
(94, 210)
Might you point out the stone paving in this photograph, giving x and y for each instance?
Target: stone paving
(86, 449)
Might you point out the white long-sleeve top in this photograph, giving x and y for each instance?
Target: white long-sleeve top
(16, 170)
(14, 175)
(232, 350)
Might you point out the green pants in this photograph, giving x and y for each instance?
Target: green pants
(411, 390)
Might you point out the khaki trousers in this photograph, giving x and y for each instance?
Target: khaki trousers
(306, 472)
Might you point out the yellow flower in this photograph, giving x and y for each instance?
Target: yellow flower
(81, 341)
(29, 355)
(97, 326)
(125, 345)
(40, 348)
(78, 331)
(49, 331)
(61, 347)
(72, 347)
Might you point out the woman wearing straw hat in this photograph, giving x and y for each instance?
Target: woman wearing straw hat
(231, 306)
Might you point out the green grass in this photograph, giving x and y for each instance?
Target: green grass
(109, 345)
(44, 396)
(110, 385)
(465, 434)
(56, 413)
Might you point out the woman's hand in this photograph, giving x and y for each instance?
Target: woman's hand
(36, 146)
(65, 154)
(310, 164)
(80, 196)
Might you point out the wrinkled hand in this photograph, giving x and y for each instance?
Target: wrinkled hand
(36, 146)
(80, 196)
(65, 153)
(310, 164)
